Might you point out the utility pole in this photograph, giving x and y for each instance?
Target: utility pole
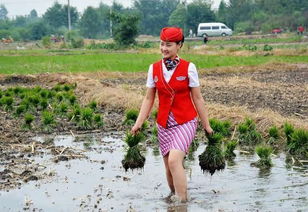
(110, 24)
(69, 15)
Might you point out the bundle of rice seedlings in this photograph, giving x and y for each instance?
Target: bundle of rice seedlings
(229, 153)
(264, 152)
(273, 133)
(48, 120)
(133, 158)
(298, 144)
(222, 127)
(248, 134)
(212, 159)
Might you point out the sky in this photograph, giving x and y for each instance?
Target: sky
(23, 7)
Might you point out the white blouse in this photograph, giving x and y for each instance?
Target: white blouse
(192, 75)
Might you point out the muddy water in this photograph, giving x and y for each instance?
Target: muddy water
(99, 183)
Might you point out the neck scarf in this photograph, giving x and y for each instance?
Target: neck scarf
(171, 64)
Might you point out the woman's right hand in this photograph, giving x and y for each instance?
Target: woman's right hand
(135, 129)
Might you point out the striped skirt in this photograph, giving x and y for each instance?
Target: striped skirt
(176, 136)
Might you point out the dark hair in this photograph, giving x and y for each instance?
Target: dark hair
(182, 41)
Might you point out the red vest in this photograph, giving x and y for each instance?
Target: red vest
(174, 96)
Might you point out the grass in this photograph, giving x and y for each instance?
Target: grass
(124, 62)
(255, 40)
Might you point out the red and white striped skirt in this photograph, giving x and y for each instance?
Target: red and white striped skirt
(176, 136)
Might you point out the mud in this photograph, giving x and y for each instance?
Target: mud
(98, 182)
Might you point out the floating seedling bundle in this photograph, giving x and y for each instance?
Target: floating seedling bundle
(133, 158)
(212, 159)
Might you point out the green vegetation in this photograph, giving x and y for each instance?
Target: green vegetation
(229, 152)
(248, 134)
(264, 152)
(129, 62)
(133, 158)
(46, 106)
(298, 143)
(221, 127)
(212, 159)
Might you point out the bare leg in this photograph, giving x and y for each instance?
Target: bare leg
(175, 164)
(168, 174)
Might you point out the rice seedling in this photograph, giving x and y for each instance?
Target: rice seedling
(264, 152)
(28, 119)
(131, 117)
(154, 114)
(229, 152)
(7, 102)
(20, 110)
(59, 97)
(133, 158)
(288, 130)
(154, 134)
(212, 159)
(48, 120)
(44, 93)
(43, 104)
(17, 90)
(34, 100)
(273, 133)
(248, 134)
(57, 88)
(37, 89)
(98, 120)
(86, 118)
(192, 148)
(72, 99)
(222, 127)
(66, 87)
(298, 144)
(93, 105)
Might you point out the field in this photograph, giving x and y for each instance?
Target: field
(268, 86)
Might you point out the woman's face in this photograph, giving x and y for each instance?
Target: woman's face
(169, 49)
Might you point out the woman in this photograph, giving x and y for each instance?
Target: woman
(180, 100)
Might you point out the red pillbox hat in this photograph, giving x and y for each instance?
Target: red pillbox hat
(171, 34)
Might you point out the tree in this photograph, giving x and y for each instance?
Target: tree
(104, 19)
(90, 25)
(39, 30)
(56, 16)
(222, 11)
(33, 14)
(154, 14)
(3, 12)
(126, 28)
(178, 16)
(199, 11)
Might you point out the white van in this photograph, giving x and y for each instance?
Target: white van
(213, 29)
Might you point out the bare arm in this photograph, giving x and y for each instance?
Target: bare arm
(201, 109)
(145, 110)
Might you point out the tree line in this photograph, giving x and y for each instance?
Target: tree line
(149, 16)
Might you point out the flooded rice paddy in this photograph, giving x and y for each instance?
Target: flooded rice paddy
(99, 183)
